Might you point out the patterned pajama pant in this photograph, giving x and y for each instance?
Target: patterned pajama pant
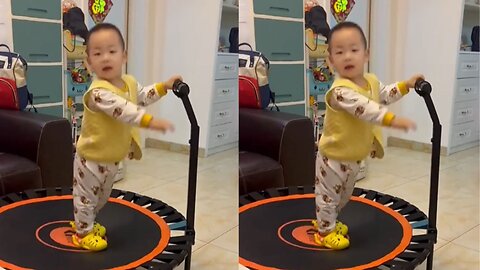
(334, 183)
(92, 185)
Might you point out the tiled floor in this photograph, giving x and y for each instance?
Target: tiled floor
(402, 173)
(163, 175)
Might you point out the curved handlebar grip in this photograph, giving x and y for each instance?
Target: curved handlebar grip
(180, 88)
(423, 87)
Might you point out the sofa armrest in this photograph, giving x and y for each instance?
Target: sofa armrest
(43, 139)
(287, 138)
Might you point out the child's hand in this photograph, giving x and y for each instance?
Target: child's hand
(169, 82)
(161, 125)
(411, 82)
(403, 123)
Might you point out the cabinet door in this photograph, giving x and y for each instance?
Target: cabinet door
(53, 110)
(279, 40)
(226, 66)
(467, 89)
(283, 8)
(38, 41)
(294, 109)
(226, 90)
(287, 81)
(222, 134)
(464, 133)
(468, 65)
(223, 113)
(47, 9)
(465, 112)
(45, 83)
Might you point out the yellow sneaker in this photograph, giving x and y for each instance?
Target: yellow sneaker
(332, 240)
(97, 228)
(340, 228)
(90, 241)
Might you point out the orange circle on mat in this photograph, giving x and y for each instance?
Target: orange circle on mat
(407, 231)
(302, 235)
(164, 229)
(59, 235)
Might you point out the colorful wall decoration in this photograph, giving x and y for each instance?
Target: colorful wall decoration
(341, 9)
(98, 9)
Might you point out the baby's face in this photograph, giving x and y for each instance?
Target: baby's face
(105, 54)
(348, 53)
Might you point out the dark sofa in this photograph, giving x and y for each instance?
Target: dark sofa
(36, 151)
(276, 149)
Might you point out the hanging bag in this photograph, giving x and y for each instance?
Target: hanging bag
(13, 71)
(8, 94)
(255, 65)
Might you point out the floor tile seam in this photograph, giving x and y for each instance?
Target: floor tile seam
(220, 235)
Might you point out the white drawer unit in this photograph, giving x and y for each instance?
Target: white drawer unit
(464, 132)
(223, 133)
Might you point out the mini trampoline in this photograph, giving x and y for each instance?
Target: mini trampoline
(143, 232)
(139, 232)
(278, 221)
(386, 232)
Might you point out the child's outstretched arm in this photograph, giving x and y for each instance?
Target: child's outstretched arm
(342, 98)
(125, 111)
(149, 94)
(395, 91)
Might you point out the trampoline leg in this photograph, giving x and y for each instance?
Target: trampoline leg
(188, 259)
(430, 261)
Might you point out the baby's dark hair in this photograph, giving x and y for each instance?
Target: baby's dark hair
(344, 25)
(105, 26)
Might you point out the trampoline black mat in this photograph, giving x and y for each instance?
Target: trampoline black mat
(36, 233)
(276, 233)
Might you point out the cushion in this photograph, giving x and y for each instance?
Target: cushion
(18, 173)
(258, 172)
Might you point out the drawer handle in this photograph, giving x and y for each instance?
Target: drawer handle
(281, 8)
(228, 67)
(38, 9)
(225, 91)
(220, 135)
(222, 113)
(280, 53)
(462, 134)
(284, 95)
(39, 54)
